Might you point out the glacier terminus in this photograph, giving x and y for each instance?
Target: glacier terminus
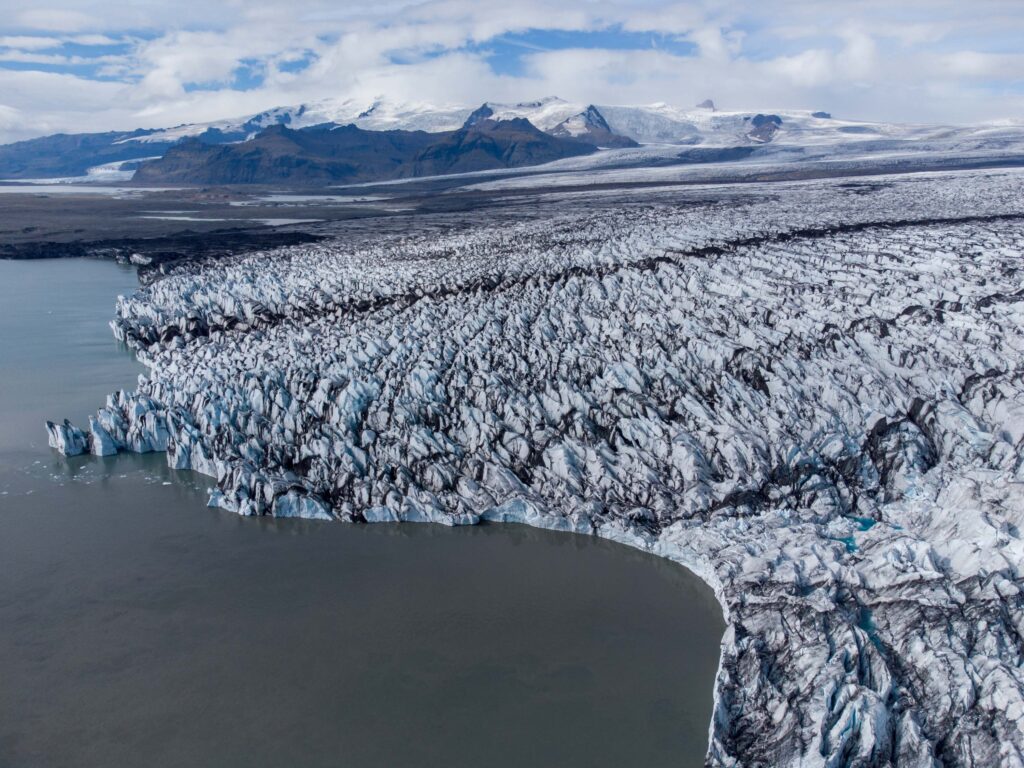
(809, 392)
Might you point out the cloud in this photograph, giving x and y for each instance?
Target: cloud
(57, 20)
(9, 118)
(29, 43)
(39, 103)
(149, 63)
(988, 66)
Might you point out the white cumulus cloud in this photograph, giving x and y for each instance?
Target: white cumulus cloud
(100, 64)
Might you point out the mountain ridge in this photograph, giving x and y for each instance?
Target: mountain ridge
(348, 154)
(710, 132)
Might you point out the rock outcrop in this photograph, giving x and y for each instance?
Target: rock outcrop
(589, 126)
(763, 127)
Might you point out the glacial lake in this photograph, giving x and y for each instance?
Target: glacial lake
(139, 627)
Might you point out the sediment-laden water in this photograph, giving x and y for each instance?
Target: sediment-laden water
(137, 626)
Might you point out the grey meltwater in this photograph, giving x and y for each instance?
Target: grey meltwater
(139, 626)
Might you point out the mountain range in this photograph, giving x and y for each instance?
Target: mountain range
(352, 140)
(346, 154)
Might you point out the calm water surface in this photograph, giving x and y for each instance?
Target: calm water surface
(138, 627)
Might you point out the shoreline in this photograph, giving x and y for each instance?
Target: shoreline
(99, 499)
(804, 433)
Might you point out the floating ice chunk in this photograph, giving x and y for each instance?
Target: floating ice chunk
(67, 438)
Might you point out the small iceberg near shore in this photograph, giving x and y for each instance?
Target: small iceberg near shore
(67, 438)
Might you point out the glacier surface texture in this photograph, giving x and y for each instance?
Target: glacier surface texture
(809, 393)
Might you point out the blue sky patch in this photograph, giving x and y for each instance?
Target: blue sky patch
(298, 64)
(506, 53)
(79, 59)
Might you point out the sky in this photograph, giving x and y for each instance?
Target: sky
(92, 65)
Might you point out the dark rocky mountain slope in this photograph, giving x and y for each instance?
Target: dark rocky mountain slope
(73, 154)
(347, 154)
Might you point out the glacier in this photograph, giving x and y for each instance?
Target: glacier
(809, 393)
(658, 123)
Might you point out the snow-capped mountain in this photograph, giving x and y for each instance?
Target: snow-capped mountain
(658, 123)
(646, 124)
(370, 115)
(714, 135)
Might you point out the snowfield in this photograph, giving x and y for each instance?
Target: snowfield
(657, 123)
(809, 393)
